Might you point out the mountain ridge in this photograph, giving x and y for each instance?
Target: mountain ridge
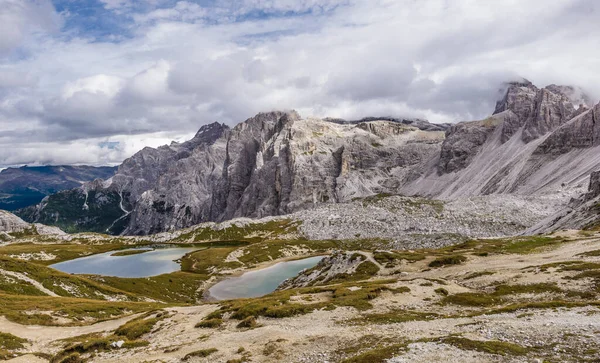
(28, 185)
(275, 163)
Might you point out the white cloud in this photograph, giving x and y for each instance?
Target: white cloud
(20, 19)
(98, 84)
(186, 65)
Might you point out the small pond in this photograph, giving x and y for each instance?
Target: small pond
(260, 282)
(151, 263)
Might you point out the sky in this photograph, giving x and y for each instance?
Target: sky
(94, 81)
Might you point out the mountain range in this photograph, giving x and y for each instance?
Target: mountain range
(28, 185)
(538, 142)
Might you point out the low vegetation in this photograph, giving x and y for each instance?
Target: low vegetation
(279, 304)
(174, 288)
(130, 252)
(138, 327)
(210, 323)
(77, 347)
(47, 254)
(200, 353)
(487, 346)
(392, 317)
(9, 344)
(253, 232)
(45, 310)
(379, 354)
(448, 260)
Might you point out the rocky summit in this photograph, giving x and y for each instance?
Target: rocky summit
(538, 142)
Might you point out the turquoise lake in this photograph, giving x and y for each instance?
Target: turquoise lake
(154, 262)
(260, 282)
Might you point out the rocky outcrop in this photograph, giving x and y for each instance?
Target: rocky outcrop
(463, 141)
(338, 265)
(594, 186)
(10, 223)
(13, 228)
(423, 125)
(537, 111)
(581, 132)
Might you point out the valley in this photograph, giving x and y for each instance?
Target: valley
(477, 300)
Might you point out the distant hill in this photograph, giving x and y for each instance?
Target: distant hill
(28, 185)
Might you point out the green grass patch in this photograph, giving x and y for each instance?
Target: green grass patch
(129, 252)
(61, 283)
(253, 232)
(539, 288)
(11, 342)
(441, 291)
(471, 299)
(211, 323)
(393, 317)
(138, 327)
(389, 258)
(248, 323)
(475, 275)
(584, 266)
(90, 345)
(31, 309)
(62, 251)
(487, 346)
(513, 245)
(379, 354)
(203, 353)
(552, 304)
(208, 261)
(595, 253)
(12, 285)
(176, 287)
(448, 260)
(278, 304)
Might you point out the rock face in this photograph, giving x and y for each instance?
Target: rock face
(28, 185)
(594, 188)
(537, 111)
(271, 164)
(535, 143)
(463, 142)
(276, 163)
(583, 131)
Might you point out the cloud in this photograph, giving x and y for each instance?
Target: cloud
(20, 19)
(163, 65)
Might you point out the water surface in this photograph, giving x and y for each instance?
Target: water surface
(154, 262)
(260, 282)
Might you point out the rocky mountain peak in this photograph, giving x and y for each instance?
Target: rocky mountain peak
(211, 131)
(266, 120)
(537, 111)
(576, 95)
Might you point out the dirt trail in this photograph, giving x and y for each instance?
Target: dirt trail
(41, 336)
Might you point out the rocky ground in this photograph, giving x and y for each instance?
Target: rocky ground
(529, 299)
